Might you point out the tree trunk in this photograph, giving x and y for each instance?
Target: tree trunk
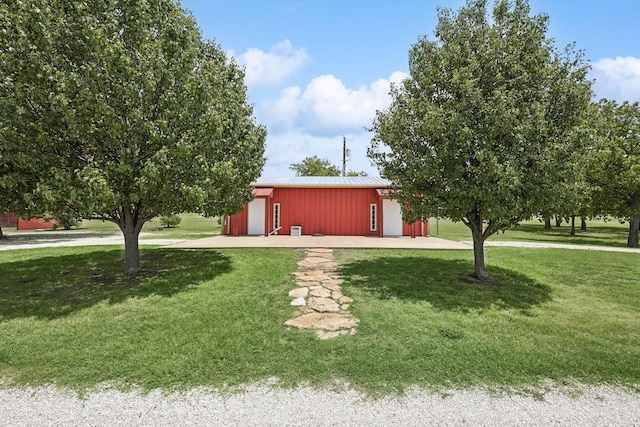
(131, 253)
(583, 224)
(475, 223)
(634, 226)
(130, 224)
(480, 272)
(1, 235)
(558, 221)
(547, 223)
(573, 225)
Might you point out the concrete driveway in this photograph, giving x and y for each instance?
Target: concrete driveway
(320, 242)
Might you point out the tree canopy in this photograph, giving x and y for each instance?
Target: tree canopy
(315, 166)
(119, 110)
(614, 167)
(475, 127)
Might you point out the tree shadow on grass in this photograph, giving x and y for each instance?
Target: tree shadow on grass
(445, 284)
(52, 287)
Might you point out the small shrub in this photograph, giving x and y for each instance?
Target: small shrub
(68, 221)
(170, 221)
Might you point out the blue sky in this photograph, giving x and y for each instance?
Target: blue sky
(317, 70)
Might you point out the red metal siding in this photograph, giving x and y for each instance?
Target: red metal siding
(416, 229)
(35, 224)
(329, 211)
(8, 220)
(238, 224)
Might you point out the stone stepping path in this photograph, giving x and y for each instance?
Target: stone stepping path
(321, 305)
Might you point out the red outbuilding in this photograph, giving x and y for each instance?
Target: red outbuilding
(11, 220)
(338, 206)
(8, 220)
(36, 224)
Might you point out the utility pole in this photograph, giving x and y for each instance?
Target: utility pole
(344, 156)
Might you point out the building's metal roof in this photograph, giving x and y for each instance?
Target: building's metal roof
(263, 192)
(324, 181)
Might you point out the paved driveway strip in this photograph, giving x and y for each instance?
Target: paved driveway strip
(61, 238)
(321, 242)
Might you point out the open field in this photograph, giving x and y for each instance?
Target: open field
(215, 318)
(193, 226)
(598, 233)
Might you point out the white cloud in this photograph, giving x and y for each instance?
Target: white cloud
(273, 67)
(289, 147)
(328, 107)
(617, 79)
(311, 121)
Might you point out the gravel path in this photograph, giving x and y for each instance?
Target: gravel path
(44, 239)
(538, 245)
(268, 406)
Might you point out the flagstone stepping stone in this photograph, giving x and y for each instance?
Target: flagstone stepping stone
(315, 272)
(300, 301)
(332, 287)
(299, 292)
(319, 291)
(324, 321)
(317, 260)
(308, 284)
(321, 251)
(315, 278)
(321, 306)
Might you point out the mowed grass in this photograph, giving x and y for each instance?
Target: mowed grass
(543, 314)
(215, 318)
(598, 232)
(192, 226)
(70, 317)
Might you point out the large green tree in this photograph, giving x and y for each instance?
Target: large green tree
(475, 127)
(614, 169)
(315, 166)
(16, 181)
(122, 112)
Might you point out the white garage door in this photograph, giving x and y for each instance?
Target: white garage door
(391, 218)
(256, 216)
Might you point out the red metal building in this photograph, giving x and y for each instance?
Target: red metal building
(10, 220)
(339, 206)
(36, 224)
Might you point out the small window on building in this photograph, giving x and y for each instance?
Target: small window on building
(276, 216)
(373, 217)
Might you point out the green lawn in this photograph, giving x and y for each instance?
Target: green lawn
(193, 226)
(216, 319)
(599, 233)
